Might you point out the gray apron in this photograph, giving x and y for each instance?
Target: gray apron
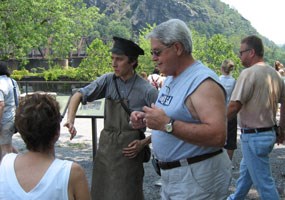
(116, 177)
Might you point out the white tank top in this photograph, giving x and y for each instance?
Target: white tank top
(52, 186)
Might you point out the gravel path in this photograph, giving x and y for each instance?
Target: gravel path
(80, 150)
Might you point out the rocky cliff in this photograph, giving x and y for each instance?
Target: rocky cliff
(207, 16)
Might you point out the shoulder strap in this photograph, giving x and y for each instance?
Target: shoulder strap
(142, 135)
(121, 100)
(15, 93)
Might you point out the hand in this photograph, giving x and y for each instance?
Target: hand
(155, 118)
(72, 130)
(133, 149)
(137, 119)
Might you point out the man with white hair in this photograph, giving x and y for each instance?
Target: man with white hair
(188, 119)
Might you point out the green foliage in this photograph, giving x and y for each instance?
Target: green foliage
(56, 27)
(56, 72)
(53, 26)
(52, 74)
(207, 17)
(97, 62)
(211, 51)
(117, 28)
(273, 53)
(218, 18)
(214, 50)
(145, 62)
(107, 28)
(19, 74)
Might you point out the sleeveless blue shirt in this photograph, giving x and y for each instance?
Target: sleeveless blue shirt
(171, 99)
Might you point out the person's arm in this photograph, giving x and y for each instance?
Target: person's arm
(281, 131)
(137, 119)
(137, 122)
(206, 104)
(78, 184)
(233, 109)
(136, 146)
(146, 141)
(2, 105)
(72, 108)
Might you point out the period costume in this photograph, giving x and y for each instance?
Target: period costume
(114, 175)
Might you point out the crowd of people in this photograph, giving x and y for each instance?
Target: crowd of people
(192, 113)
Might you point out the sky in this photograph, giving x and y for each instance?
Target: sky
(266, 16)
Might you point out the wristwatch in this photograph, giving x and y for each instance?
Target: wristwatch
(169, 126)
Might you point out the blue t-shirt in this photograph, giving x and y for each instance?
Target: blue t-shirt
(171, 99)
(228, 83)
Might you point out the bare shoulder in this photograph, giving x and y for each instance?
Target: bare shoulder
(209, 90)
(209, 84)
(78, 184)
(209, 95)
(76, 171)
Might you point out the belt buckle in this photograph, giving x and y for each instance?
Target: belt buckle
(243, 130)
(183, 162)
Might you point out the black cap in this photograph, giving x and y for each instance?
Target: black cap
(126, 47)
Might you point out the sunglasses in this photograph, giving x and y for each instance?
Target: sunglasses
(158, 52)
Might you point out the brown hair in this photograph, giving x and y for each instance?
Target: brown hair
(38, 121)
(133, 59)
(254, 42)
(227, 66)
(278, 65)
(4, 69)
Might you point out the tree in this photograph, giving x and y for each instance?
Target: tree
(97, 62)
(145, 61)
(53, 27)
(214, 50)
(106, 28)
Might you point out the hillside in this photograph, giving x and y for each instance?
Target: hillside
(207, 17)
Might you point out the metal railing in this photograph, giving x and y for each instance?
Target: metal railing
(60, 87)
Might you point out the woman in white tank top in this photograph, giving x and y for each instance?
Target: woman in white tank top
(37, 174)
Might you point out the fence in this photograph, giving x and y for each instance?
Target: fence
(60, 87)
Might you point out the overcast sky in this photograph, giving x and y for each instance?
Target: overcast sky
(266, 16)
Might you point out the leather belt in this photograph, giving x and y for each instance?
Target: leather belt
(188, 161)
(255, 130)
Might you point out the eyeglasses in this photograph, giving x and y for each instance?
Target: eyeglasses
(241, 52)
(157, 52)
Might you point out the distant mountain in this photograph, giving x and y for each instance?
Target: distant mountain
(207, 17)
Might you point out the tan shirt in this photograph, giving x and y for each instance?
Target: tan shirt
(259, 89)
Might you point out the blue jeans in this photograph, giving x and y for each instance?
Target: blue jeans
(255, 167)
